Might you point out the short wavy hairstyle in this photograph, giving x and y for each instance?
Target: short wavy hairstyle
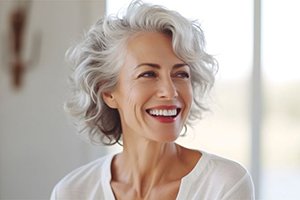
(97, 60)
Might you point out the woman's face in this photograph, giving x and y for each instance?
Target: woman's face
(154, 92)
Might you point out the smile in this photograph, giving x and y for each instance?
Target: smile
(164, 113)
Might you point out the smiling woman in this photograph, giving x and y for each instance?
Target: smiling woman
(151, 63)
(140, 78)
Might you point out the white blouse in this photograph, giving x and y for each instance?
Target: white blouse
(212, 178)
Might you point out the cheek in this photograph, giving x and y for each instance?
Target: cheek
(189, 97)
(133, 97)
(141, 91)
(190, 93)
(132, 104)
(186, 91)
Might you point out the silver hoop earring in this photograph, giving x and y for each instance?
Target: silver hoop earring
(185, 130)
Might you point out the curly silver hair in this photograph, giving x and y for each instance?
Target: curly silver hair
(98, 57)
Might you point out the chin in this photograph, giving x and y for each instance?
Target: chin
(167, 138)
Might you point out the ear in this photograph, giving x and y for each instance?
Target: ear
(109, 99)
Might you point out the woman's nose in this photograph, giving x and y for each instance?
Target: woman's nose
(167, 89)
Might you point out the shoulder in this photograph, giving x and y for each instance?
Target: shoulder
(225, 167)
(215, 177)
(229, 175)
(83, 179)
(89, 171)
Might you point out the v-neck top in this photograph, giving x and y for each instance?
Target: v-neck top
(212, 178)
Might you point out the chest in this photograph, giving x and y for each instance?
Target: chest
(167, 191)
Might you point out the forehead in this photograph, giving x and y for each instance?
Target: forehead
(151, 47)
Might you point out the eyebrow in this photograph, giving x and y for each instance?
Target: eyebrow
(157, 66)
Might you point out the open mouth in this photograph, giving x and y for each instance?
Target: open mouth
(165, 113)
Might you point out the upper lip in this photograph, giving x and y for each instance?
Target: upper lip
(164, 107)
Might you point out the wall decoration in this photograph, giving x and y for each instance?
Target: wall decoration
(17, 29)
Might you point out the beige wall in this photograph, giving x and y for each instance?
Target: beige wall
(38, 143)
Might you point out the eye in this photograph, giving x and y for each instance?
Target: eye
(182, 74)
(148, 74)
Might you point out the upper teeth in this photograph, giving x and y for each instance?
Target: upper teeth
(157, 112)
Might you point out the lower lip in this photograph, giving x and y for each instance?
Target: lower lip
(165, 119)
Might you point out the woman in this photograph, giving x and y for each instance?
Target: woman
(139, 79)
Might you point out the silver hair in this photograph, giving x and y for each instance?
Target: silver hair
(98, 58)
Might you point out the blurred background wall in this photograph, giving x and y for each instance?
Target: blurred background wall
(38, 144)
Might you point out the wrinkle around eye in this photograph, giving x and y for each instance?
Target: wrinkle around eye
(148, 74)
(182, 74)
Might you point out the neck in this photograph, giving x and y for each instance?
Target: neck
(149, 157)
(146, 164)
